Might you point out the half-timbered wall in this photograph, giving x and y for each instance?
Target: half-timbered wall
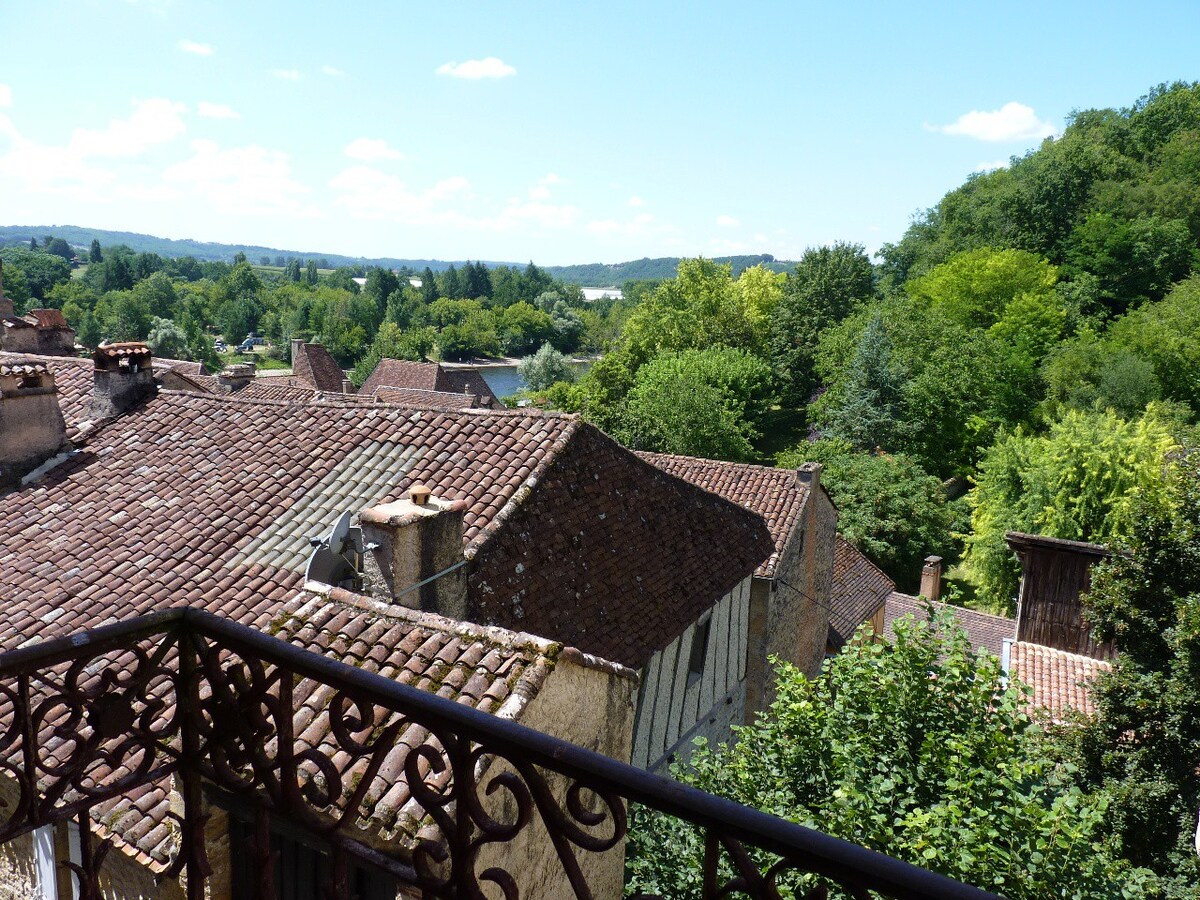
(677, 703)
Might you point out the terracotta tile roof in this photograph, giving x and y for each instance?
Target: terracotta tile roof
(26, 366)
(186, 366)
(314, 365)
(860, 588)
(983, 629)
(774, 494)
(423, 398)
(48, 318)
(211, 500)
(123, 349)
(422, 376)
(1059, 679)
(271, 389)
(491, 669)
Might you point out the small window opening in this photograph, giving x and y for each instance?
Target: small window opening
(699, 652)
(29, 381)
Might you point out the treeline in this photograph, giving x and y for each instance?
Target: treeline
(182, 304)
(603, 275)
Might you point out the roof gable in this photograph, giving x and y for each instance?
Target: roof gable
(775, 494)
(860, 589)
(313, 364)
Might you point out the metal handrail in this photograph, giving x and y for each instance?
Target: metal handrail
(811, 850)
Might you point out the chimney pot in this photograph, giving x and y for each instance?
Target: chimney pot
(931, 578)
(124, 377)
(419, 494)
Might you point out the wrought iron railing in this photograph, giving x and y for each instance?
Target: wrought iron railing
(181, 715)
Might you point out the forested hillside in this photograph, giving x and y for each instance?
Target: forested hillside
(1035, 337)
(591, 274)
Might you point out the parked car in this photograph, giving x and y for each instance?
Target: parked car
(220, 346)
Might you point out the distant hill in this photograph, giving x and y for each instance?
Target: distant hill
(593, 274)
(601, 275)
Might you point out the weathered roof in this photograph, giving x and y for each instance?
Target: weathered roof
(421, 397)
(122, 349)
(48, 318)
(776, 495)
(860, 588)
(983, 629)
(1060, 680)
(211, 500)
(24, 367)
(423, 376)
(313, 364)
(188, 367)
(491, 669)
(1019, 540)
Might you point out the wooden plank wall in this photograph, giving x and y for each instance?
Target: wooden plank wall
(669, 701)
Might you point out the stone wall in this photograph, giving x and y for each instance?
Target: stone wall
(789, 613)
(591, 706)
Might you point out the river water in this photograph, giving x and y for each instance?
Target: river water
(504, 380)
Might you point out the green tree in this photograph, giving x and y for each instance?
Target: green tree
(167, 339)
(1082, 481)
(310, 273)
(1141, 750)
(888, 506)
(544, 368)
(827, 285)
(292, 271)
(1135, 261)
(975, 288)
(917, 748)
(869, 412)
(95, 255)
(698, 402)
(429, 288)
(41, 271)
(392, 343)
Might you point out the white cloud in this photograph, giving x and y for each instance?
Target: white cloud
(370, 194)
(215, 111)
(371, 149)
(240, 180)
(1011, 122)
(5, 96)
(491, 67)
(992, 166)
(728, 222)
(541, 190)
(197, 48)
(332, 71)
(636, 201)
(153, 122)
(72, 169)
(286, 74)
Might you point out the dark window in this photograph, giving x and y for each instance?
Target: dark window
(699, 650)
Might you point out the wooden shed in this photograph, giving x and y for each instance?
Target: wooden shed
(1055, 573)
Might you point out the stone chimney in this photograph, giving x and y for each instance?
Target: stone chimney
(931, 578)
(297, 347)
(809, 474)
(124, 377)
(31, 423)
(6, 306)
(347, 386)
(410, 541)
(235, 377)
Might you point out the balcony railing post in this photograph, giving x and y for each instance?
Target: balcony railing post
(195, 818)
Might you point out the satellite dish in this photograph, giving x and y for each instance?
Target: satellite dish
(328, 568)
(337, 536)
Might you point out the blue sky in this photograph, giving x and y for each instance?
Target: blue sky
(558, 132)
